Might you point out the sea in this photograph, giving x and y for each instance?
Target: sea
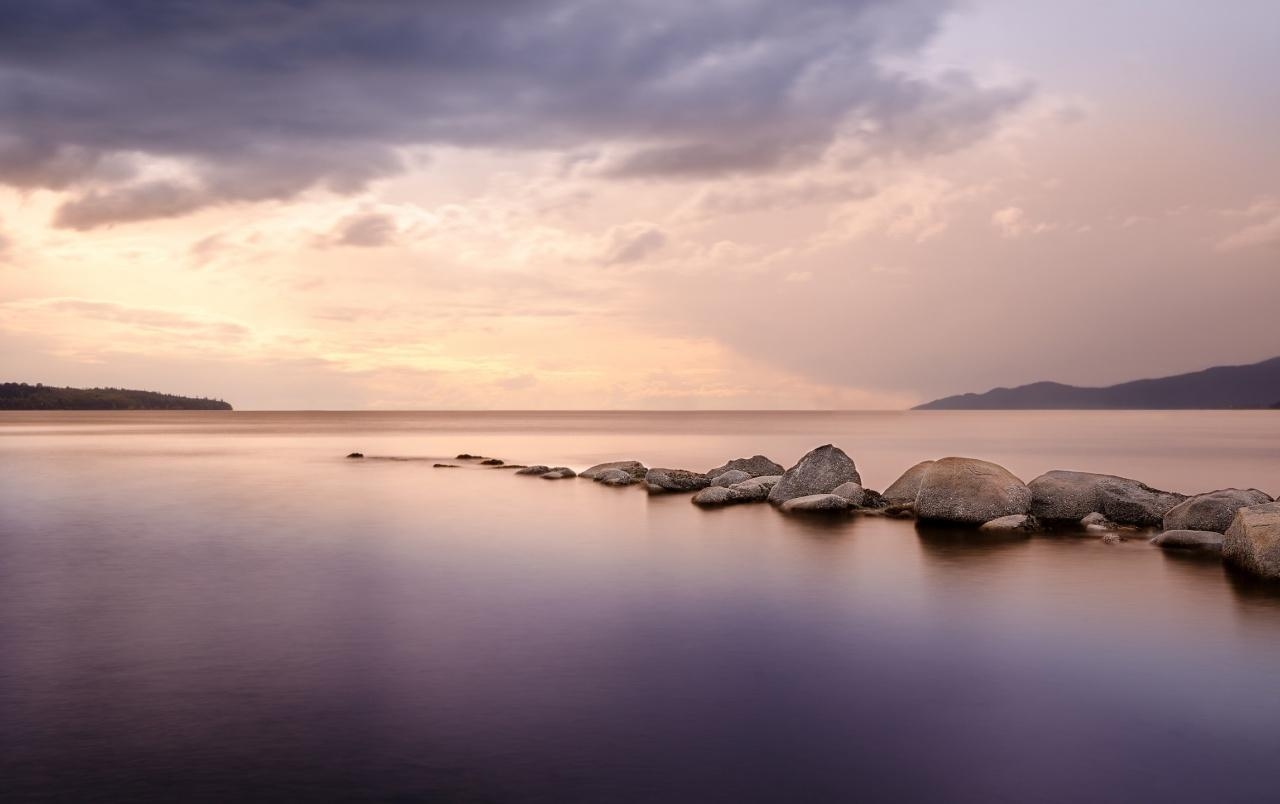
(221, 607)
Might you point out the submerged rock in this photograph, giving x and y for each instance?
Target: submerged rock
(905, 488)
(467, 456)
(663, 481)
(717, 495)
(558, 473)
(1253, 540)
(852, 492)
(614, 477)
(729, 478)
(819, 472)
(1014, 523)
(633, 468)
(1212, 511)
(536, 469)
(970, 491)
(755, 466)
(817, 503)
(445, 466)
(1065, 495)
(356, 455)
(492, 462)
(1184, 539)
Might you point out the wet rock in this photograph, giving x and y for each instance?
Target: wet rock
(817, 503)
(536, 469)
(1015, 523)
(492, 462)
(614, 477)
(970, 491)
(905, 488)
(852, 492)
(756, 489)
(445, 466)
(900, 510)
(1212, 511)
(818, 472)
(729, 478)
(466, 456)
(716, 496)
(558, 473)
(667, 481)
(1252, 543)
(1065, 495)
(755, 466)
(1097, 522)
(1183, 539)
(635, 469)
(356, 455)
(1112, 538)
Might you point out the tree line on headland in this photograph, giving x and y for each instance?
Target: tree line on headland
(22, 396)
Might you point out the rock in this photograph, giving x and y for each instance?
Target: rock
(1097, 523)
(1014, 523)
(852, 492)
(492, 462)
(445, 466)
(1253, 540)
(755, 466)
(818, 472)
(817, 503)
(633, 468)
(1064, 495)
(755, 489)
(905, 510)
(1183, 539)
(717, 495)
(466, 456)
(663, 481)
(873, 499)
(356, 455)
(536, 469)
(970, 491)
(729, 478)
(905, 488)
(614, 477)
(1212, 511)
(1112, 538)
(558, 473)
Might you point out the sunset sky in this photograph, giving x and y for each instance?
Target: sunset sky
(634, 203)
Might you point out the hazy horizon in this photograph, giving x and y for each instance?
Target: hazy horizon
(579, 205)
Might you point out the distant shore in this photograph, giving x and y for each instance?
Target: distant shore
(23, 396)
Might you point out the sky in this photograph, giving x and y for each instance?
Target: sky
(634, 204)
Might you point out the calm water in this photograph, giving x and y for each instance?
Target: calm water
(218, 607)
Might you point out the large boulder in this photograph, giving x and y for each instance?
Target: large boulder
(636, 469)
(817, 504)
(755, 466)
(614, 477)
(729, 478)
(1189, 540)
(818, 472)
(664, 481)
(1253, 540)
(1212, 511)
(1064, 495)
(970, 491)
(905, 488)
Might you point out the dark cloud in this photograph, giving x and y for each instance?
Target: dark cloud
(262, 99)
(632, 243)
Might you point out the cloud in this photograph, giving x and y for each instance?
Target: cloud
(1262, 231)
(259, 100)
(632, 242)
(366, 230)
(142, 318)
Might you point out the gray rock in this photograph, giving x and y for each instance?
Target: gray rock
(817, 503)
(905, 488)
(852, 492)
(558, 473)
(717, 495)
(665, 481)
(970, 491)
(1112, 538)
(1062, 495)
(729, 478)
(537, 469)
(614, 477)
(755, 466)
(1253, 540)
(1098, 523)
(755, 489)
(1189, 540)
(492, 462)
(1212, 511)
(636, 469)
(1015, 523)
(818, 472)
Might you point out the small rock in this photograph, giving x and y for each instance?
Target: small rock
(817, 503)
(356, 455)
(852, 492)
(1190, 540)
(755, 466)
(755, 489)
(492, 462)
(558, 473)
(1112, 538)
(536, 469)
(1014, 523)
(717, 495)
(614, 477)
(818, 472)
(466, 456)
(636, 469)
(729, 478)
(445, 466)
(663, 481)
(905, 488)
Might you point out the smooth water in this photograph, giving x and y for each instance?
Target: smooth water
(219, 607)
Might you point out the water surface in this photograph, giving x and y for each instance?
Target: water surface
(218, 606)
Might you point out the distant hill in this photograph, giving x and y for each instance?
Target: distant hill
(1223, 387)
(21, 396)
